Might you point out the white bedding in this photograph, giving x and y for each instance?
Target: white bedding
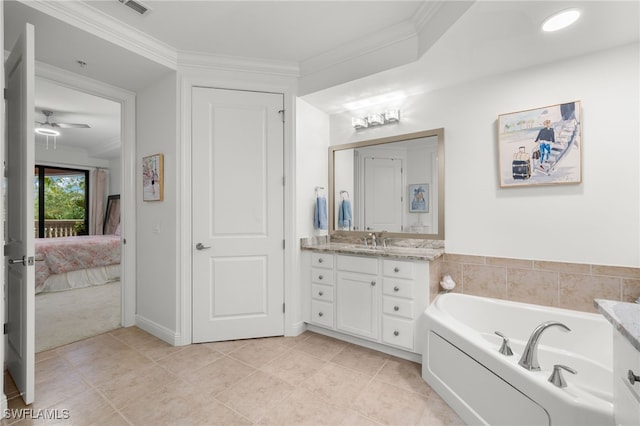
(81, 278)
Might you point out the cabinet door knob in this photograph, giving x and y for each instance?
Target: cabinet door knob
(396, 333)
(320, 277)
(320, 293)
(373, 283)
(396, 269)
(320, 260)
(320, 314)
(633, 378)
(396, 308)
(396, 289)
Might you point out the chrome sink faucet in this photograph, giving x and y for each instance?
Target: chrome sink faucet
(529, 359)
(374, 243)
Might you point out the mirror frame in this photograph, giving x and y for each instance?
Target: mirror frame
(439, 133)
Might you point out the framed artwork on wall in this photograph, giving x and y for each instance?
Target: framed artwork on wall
(152, 178)
(541, 146)
(419, 198)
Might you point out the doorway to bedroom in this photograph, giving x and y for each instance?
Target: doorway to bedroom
(76, 179)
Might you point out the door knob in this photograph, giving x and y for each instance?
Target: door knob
(201, 246)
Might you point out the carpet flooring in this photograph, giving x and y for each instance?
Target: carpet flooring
(68, 316)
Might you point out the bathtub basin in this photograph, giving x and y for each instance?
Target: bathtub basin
(462, 362)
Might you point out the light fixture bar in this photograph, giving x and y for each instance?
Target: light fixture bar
(376, 119)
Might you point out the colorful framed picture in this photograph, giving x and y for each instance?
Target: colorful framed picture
(152, 178)
(541, 146)
(419, 198)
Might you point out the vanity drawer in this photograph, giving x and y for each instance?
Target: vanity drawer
(322, 276)
(364, 265)
(397, 269)
(322, 313)
(399, 307)
(322, 292)
(397, 332)
(398, 288)
(322, 260)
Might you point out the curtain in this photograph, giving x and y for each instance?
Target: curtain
(97, 187)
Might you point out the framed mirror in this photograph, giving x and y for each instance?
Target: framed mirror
(393, 185)
(112, 215)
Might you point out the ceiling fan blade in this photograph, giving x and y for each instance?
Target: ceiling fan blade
(71, 125)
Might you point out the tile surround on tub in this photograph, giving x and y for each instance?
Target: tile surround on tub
(558, 284)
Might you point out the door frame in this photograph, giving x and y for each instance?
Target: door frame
(293, 324)
(126, 100)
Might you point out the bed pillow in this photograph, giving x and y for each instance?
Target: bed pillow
(117, 231)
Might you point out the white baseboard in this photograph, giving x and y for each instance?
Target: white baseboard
(367, 344)
(296, 329)
(160, 331)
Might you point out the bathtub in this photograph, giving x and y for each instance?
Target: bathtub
(462, 363)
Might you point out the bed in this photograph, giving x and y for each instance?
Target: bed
(65, 263)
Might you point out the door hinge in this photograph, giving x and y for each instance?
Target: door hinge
(281, 112)
(6, 93)
(6, 328)
(284, 180)
(282, 310)
(283, 244)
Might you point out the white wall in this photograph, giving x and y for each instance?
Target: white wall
(596, 221)
(312, 136)
(156, 222)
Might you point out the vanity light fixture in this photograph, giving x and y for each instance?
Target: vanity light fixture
(376, 119)
(560, 20)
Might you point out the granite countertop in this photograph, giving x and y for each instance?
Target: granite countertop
(397, 252)
(625, 317)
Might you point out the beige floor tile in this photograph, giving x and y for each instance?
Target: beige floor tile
(321, 346)
(438, 413)
(226, 347)
(128, 377)
(218, 376)
(391, 405)
(189, 358)
(180, 405)
(94, 348)
(253, 396)
(404, 374)
(124, 388)
(336, 384)
(304, 408)
(294, 366)
(361, 359)
(258, 352)
(104, 369)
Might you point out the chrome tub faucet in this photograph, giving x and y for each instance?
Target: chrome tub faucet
(529, 359)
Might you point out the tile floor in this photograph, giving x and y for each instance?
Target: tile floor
(129, 377)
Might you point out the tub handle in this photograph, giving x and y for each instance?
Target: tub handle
(556, 377)
(633, 378)
(504, 349)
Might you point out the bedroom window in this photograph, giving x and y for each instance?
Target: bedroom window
(61, 202)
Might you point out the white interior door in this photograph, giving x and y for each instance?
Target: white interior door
(19, 249)
(382, 194)
(238, 227)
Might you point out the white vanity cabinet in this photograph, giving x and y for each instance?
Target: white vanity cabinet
(626, 390)
(375, 298)
(322, 289)
(358, 296)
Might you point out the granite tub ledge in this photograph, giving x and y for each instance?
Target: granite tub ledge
(391, 251)
(625, 317)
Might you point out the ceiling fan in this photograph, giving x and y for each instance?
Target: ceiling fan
(48, 128)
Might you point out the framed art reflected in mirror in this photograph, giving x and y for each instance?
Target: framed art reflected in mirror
(112, 215)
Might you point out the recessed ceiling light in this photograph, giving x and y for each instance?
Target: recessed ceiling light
(561, 20)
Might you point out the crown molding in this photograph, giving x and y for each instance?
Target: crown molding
(94, 21)
(238, 63)
(380, 40)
